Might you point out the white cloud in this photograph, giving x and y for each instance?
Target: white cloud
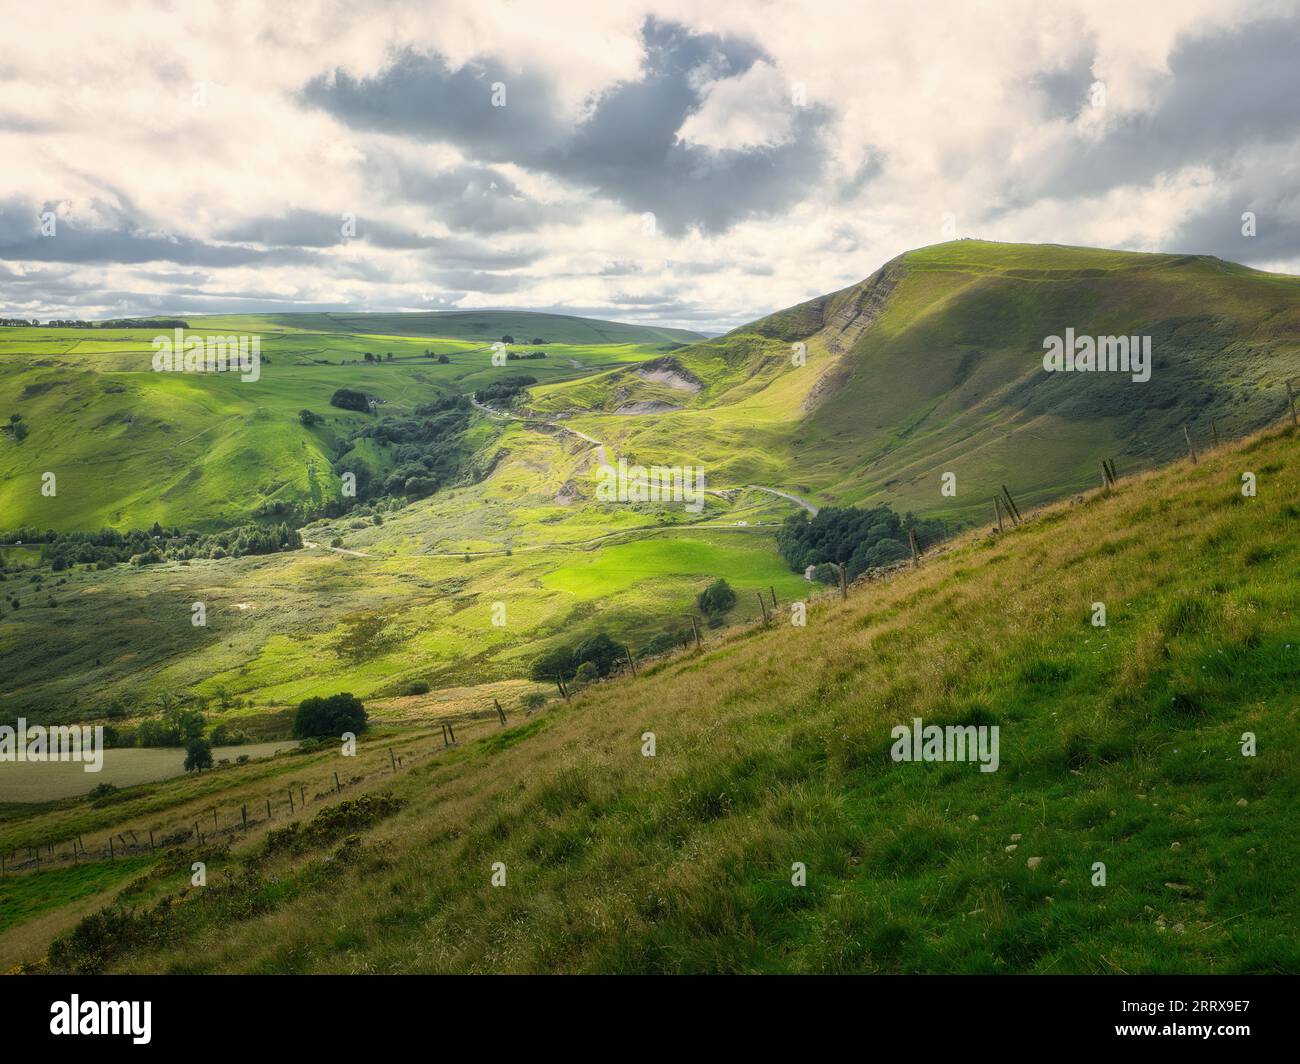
(935, 103)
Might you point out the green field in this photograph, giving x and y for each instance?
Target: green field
(1120, 746)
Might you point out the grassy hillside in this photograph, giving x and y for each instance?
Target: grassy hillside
(1119, 745)
(934, 365)
(129, 446)
(483, 326)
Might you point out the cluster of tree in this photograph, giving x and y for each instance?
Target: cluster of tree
(332, 716)
(428, 449)
(715, 600)
(115, 323)
(442, 360)
(378, 358)
(147, 323)
(514, 356)
(177, 726)
(594, 657)
(108, 546)
(856, 538)
(347, 399)
(15, 428)
(505, 390)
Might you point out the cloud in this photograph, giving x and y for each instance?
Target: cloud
(629, 147)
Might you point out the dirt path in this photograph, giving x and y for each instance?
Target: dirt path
(337, 550)
(600, 450)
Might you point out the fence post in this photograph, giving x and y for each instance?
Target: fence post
(1191, 449)
(630, 662)
(269, 814)
(1290, 398)
(290, 799)
(1114, 477)
(151, 829)
(243, 812)
(997, 511)
(392, 760)
(699, 644)
(110, 847)
(762, 606)
(1012, 508)
(916, 554)
(336, 783)
(1214, 430)
(1105, 475)
(302, 797)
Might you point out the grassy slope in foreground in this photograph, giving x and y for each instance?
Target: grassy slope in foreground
(1118, 745)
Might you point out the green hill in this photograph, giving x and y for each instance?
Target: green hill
(129, 446)
(934, 364)
(1120, 746)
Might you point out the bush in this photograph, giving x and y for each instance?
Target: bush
(309, 418)
(587, 672)
(716, 599)
(329, 716)
(198, 755)
(347, 399)
(415, 687)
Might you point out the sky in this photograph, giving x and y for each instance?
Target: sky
(681, 163)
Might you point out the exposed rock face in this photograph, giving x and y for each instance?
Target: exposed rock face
(857, 313)
(669, 371)
(850, 317)
(646, 407)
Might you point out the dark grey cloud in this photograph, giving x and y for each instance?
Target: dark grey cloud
(120, 239)
(1064, 88)
(1272, 195)
(299, 228)
(474, 199)
(1225, 92)
(626, 147)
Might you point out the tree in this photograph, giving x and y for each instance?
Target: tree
(309, 418)
(716, 599)
(198, 755)
(556, 664)
(587, 673)
(329, 716)
(507, 339)
(347, 399)
(601, 652)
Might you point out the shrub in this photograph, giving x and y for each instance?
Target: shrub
(347, 399)
(716, 599)
(198, 755)
(329, 716)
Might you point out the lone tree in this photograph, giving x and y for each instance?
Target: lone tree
(198, 755)
(329, 716)
(716, 599)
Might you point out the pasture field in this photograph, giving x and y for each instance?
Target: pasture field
(1121, 746)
